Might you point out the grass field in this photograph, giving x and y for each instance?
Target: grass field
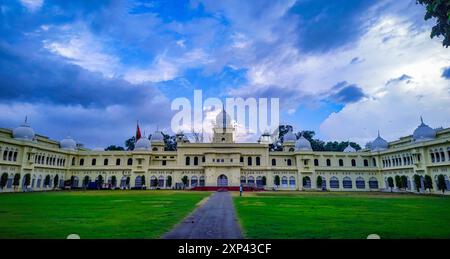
(343, 215)
(94, 214)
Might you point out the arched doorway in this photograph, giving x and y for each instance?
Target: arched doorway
(222, 180)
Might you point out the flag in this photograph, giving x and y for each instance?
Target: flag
(138, 131)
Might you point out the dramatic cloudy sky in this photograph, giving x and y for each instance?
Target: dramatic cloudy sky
(342, 68)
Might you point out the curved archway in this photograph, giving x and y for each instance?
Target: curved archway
(222, 180)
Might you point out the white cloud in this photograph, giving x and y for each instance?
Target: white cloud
(32, 5)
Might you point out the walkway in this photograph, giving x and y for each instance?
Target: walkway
(216, 219)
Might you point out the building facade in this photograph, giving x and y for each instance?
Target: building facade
(30, 161)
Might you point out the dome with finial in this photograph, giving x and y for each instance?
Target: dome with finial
(157, 137)
(423, 132)
(223, 120)
(302, 144)
(289, 137)
(143, 144)
(24, 132)
(379, 144)
(349, 149)
(68, 143)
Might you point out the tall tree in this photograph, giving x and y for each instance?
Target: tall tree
(55, 182)
(417, 182)
(129, 143)
(441, 183)
(169, 181)
(398, 182)
(114, 148)
(277, 180)
(390, 183)
(16, 180)
(439, 9)
(3, 180)
(319, 181)
(428, 182)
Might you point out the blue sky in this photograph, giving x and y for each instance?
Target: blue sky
(344, 69)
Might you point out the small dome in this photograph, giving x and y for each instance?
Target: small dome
(157, 137)
(379, 144)
(143, 144)
(24, 132)
(68, 144)
(223, 120)
(349, 149)
(289, 137)
(424, 132)
(302, 144)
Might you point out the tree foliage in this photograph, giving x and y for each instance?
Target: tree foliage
(3, 180)
(441, 183)
(417, 182)
(114, 148)
(428, 182)
(440, 10)
(319, 181)
(169, 181)
(16, 180)
(390, 183)
(55, 181)
(277, 180)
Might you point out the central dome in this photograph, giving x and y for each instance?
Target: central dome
(223, 120)
(423, 132)
(157, 137)
(68, 144)
(302, 144)
(143, 144)
(379, 144)
(23, 132)
(289, 137)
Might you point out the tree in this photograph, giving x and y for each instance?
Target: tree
(85, 181)
(439, 9)
(276, 180)
(127, 182)
(404, 180)
(99, 182)
(3, 180)
(319, 181)
(114, 148)
(72, 180)
(441, 183)
(428, 183)
(264, 181)
(417, 182)
(390, 182)
(185, 180)
(398, 182)
(16, 180)
(129, 143)
(143, 181)
(113, 181)
(169, 181)
(55, 181)
(47, 180)
(27, 180)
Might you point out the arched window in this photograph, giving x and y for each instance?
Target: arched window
(94, 161)
(10, 155)
(5, 154)
(316, 162)
(334, 182)
(241, 159)
(82, 162)
(203, 159)
(194, 181)
(73, 160)
(202, 181)
(258, 160)
(353, 162)
(118, 161)
(251, 180)
(15, 156)
(442, 156)
(341, 162)
(292, 182)
(274, 162)
(438, 157)
(243, 180)
(195, 160)
(360, 183)
(289, 162)
(130, 161)
(105, 161)
(188, 160)
(366, 162)
(307, 182)
(347, 182)
(284, 181)
(374, 162)
(249, 160)
(259, 181)
(432, 157)
(138, 182)
(328, 162)
(373, 183)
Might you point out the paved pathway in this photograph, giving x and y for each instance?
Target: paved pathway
(216, 219)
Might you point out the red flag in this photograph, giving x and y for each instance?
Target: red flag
(138, 132)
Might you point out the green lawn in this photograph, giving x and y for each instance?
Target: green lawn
(94, 214)
(343, 215)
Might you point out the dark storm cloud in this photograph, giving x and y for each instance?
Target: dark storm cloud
(344, 93)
